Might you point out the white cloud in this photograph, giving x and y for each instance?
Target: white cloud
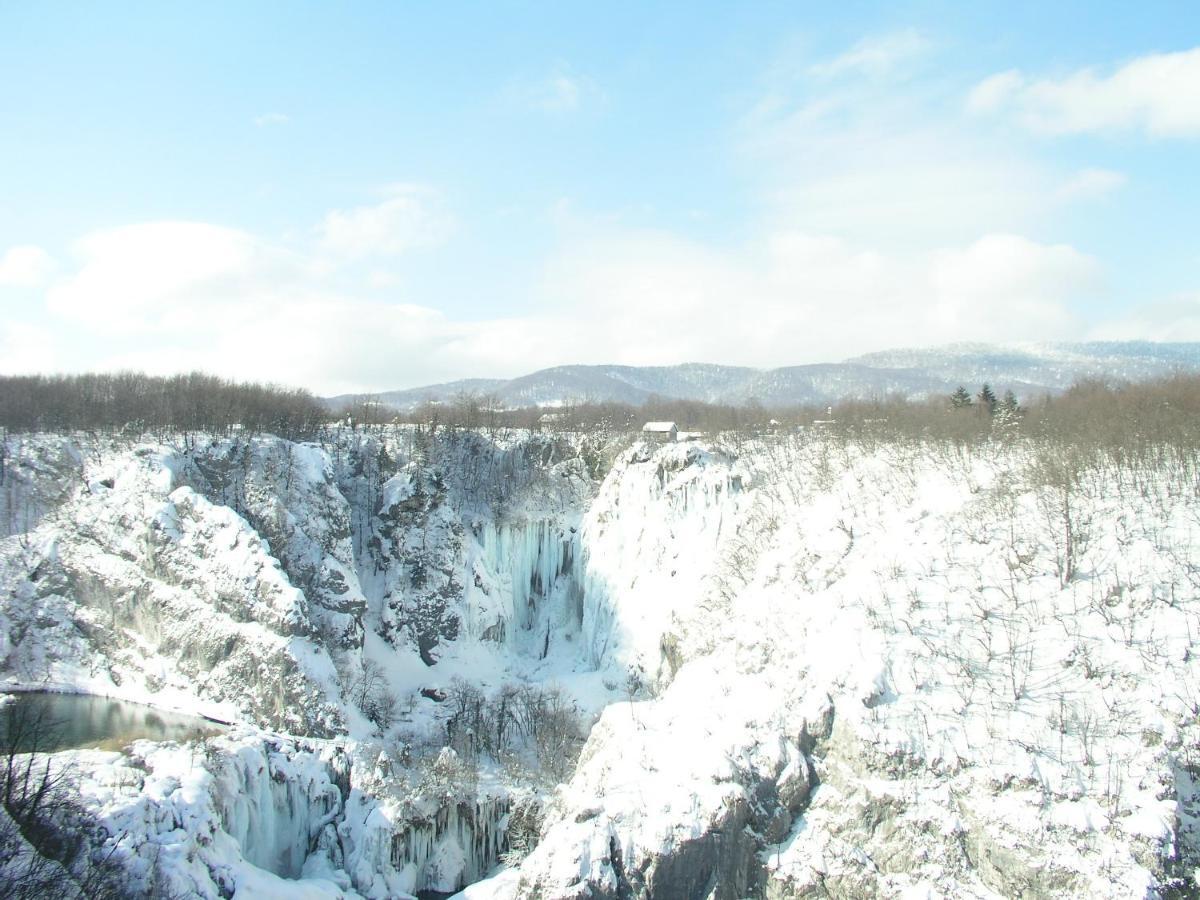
(1006, 287)
(994, 92)
(793, 297)
(173, 296)
(325, 340)
(875, 55)
(27, 349)
(1158, 94)
(410, 217)
(25, 266)
(157, 275)
(272, 118)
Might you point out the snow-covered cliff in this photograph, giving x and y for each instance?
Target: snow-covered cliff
(807, 665)
(908, 671)
(326, 589)
(138, 584)
(250, 572)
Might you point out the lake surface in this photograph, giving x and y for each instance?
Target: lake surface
(74, 721)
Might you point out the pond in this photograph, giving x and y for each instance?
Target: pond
(49, 721)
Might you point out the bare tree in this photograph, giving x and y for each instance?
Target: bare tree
(47, 843)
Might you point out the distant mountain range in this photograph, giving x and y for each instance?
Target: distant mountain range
(1026, 369)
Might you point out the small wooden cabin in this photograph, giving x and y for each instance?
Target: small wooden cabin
(664, 432)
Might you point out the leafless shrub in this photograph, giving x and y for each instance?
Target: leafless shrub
(368, 690)
(542, 721)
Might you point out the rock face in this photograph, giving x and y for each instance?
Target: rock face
(460, 537)
(139, 580)
(287, 493)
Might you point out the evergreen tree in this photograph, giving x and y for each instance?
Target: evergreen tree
(987, 398)
(1007, 414)
(960, 398)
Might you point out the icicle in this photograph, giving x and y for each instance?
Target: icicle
(532, 564)
(274, 808)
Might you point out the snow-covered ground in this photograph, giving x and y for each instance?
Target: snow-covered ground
(805, 665)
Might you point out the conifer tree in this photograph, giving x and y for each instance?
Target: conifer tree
(987, 398)
(1007, 415)
(960, 398)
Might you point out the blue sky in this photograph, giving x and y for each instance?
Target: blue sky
(368, 196)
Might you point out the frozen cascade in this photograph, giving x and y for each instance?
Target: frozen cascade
(389, 851)
(461, 844)
(275, 801)
(655, 532)
(528, 575)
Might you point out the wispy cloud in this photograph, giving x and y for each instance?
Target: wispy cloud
(876, 55)
(1090, 183)
(560, 92)
(409, 217)
(878, 162)
(267, 120)
(1157, 94)
(994, 92)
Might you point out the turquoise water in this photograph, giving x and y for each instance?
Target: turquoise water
(47, 722)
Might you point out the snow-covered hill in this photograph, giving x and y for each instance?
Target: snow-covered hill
(805, 666)
(1029, 369)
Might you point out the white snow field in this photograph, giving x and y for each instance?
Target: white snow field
(805, 666)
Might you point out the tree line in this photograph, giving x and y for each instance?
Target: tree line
(486, 412)
(1117, 417)
(136, 403)
(1105, 414)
